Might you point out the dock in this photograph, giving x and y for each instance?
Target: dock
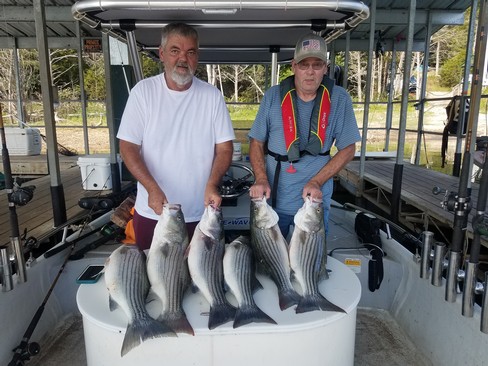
(420, 209)
(36, 217)
(35, 166)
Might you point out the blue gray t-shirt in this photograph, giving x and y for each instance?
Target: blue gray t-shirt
(342, 131)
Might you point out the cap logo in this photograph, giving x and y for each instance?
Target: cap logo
(311, 44)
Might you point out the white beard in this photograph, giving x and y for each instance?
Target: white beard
(182, 79)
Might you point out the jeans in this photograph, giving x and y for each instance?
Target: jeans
(287, 220)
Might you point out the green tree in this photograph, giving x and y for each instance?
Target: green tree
(452, 41)
(95, 77)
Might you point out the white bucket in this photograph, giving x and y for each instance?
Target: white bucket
(237, 155)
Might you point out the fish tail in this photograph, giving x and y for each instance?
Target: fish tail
(220, 314)
(316, 302)
(287, 298)
(251, 314)
(141, 329)
(179, 324)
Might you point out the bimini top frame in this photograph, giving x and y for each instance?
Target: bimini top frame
(230, 31)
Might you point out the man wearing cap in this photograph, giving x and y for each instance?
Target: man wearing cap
(297, 123)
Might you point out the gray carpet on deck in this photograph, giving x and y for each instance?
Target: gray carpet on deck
(379, 342)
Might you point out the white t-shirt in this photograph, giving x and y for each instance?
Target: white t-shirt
(178, 132)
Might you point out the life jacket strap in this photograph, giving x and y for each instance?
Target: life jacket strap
(279, 158)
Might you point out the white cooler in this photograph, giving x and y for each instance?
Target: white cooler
(96, 174)
(23, 141)
(312, 339)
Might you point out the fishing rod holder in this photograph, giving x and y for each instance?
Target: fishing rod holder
(427, 255)
(470, 286)
(484, 306)
(439, 263)
(6, 269)
(437, 256)
(454, 275)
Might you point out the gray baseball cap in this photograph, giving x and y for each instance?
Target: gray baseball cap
(310, 45)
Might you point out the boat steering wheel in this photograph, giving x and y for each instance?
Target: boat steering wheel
(232, 187)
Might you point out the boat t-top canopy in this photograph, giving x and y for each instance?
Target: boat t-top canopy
(230, 31)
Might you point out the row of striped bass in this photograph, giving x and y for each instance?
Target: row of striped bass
(128, 285)
(308, 256)
(205, 261)
(239, 275)
(167, 267)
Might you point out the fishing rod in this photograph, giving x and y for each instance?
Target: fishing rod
(15, 242)
(406, 235)
(463, 205)
(26, 349)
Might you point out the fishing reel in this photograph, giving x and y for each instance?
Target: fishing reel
(22, 195)
(450, 202)
(24, 353)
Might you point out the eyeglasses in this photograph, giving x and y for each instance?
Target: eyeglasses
(315, 65)
(176, 52)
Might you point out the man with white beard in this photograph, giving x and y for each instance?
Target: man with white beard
(175, 137)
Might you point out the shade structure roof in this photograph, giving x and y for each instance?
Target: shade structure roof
(230, 31)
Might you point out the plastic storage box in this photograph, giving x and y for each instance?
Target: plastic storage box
(23, 141)
(96, 174)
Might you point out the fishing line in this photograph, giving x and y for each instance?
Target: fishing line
(351, 207)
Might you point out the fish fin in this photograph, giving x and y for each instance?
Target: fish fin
(140, 330)
(323, 275)
(251, 314)
(112, 304)
(288, 298)
(165, 250)
(255, 284)
(151, 296)
(187, 251)
(209, 242)
(316, 302)
(220, 314)
(179, 323)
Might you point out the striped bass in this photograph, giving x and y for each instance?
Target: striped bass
(127, 284)
(167, 268)
(205, 256)
(308, 256)
(271, 250)
(240, 278)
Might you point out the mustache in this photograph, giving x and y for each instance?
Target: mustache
(182, 64)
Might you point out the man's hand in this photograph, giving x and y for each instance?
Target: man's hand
(212, 196)
(312, 189)
(156, 200)
(260, 188)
